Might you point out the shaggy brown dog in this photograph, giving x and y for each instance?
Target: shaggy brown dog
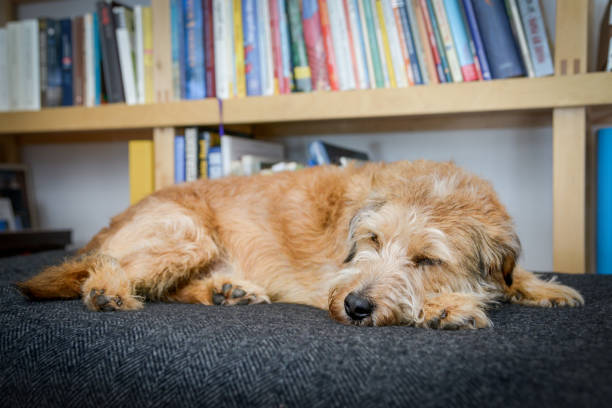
(420, 243)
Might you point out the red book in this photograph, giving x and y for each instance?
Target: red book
(352, 44)
(209, 48)
(332, 70)
(432, 41)
(277, 56)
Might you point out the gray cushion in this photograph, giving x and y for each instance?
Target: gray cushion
(57, 353)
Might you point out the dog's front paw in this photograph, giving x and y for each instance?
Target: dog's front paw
(229, 294)
(454, 312)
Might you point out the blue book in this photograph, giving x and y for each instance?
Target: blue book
(195, 69)
(179, 159)
(604, 201)
(446, 75)
(504, 57)
(215, 163)
(97, 55)
(479, 49)
(177, 32)
(460, 39)
(66, 40)
(410, 45)
(251, 47)
(54, 64)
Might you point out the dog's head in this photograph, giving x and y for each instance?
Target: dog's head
(439, 230)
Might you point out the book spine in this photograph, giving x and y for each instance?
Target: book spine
(239, 49)
(77, 61)
(30, 65)
(149, 66)
(67, 95)
(426, 61)
(265, 47)
(4, 71)
(287, 78)
(433, 44)
(328, 42)
(222, 69)
(97, 54)
(12, 42)
(352, 37)
(179, 159)
(177, 37)
(479, 48)
(42, 52)
(604, 201)
(215, 163)
(139, 53)
(141, 168)
(502, 52)
(315, 48)
(88, 51)
(203, 140)
(385, 44)
(399, 64)
(407, 48)
(251, 48)
(111, 68)
(54, 64)
(277, 56)
(195, 71)
(125, 54)
(191, 154)
(301, 69)
(411, 46)
(537, 39)
(209, 48)
(519, 35)
(462, 45)
(231, 52)
(368, 13)
(342, 64)
(439, 43)
(447, 41)
(381, 47)
(363, 69)
(363, 41)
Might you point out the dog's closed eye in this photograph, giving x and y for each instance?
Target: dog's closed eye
(375, 240)
(422, 260)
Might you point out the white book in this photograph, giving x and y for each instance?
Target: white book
(88, 52)
(537, 39)
(447, 40)
(420, 52)
(124, 46)
(231, 53)
(13, 38)
(233, 148)
(399, 68)
(366, 38)
(519, 34)
(346, 44)
(191, 154)
(222, 80)
(381, 48)
(353, 17)
(4, 81)
(343, 64)
(139, 54)
(266, 61)
(29, 87)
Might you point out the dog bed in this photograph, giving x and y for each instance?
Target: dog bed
(57, 353)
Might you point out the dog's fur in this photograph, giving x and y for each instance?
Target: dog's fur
(426, 244)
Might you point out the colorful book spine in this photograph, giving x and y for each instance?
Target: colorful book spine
(149, 68)
(537, 39)
(239, 49)
(365, 38)
(54, 63)
(447, 41)
(431, 38)
(179, 159)
(460, 37)
(209, 48)
(604, 201)
(328, 42)
(383, 45)
(369, 17)
(439, 42)
(88, 51)
(265, 45)
(403, 44)
(178, 48)
(519, 35)
(411, 47)
(479, 49)
(285, 45)
(224, 87)
(502, 51)
(66, 29)
(426, 59)
(346, 78)
(195, 71)
(315, 48)
(350, 17)
(231, 50)
(399, 66)
(301, 69)
(251, 48)
(277, 52)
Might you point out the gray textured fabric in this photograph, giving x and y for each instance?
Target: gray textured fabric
(57, 353)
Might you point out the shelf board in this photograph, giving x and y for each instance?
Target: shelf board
(473, 98)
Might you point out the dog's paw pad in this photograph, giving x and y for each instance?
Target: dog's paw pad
(100, 301)
(234, 295)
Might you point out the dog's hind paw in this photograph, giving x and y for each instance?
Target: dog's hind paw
(98, 300)
(228, 295)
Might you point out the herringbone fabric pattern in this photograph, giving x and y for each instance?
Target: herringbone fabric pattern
(58, 353)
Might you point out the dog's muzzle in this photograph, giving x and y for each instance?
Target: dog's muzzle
(357, 307)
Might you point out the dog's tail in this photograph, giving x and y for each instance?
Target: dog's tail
(58, 282)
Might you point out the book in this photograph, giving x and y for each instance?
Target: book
(321, 153)
(431, 39)
(42, 60)
(97, 60)
(410, 47)
(178, 48)
(265, 45)
(206, 140)
(111, 69)
(460, 39)
(209, 48)
(439, 42)
(301, 69)
(339, 32)
(139, 54)
(399, 63)
(66, 39)
(519, 35)
(365, 38)
(223, 73)
(147, 50)
(501, 49)
(141, 169)
(191, 154)
(315, 47)
(604, 201)
(215, 163)
(124, 30)
(179, 159)
(89, 59)
(421, 39)
(231, 51)
(78, 61)
(480, 52)
(385, 55)
(252, 66)
(354, 64)
(13, 38)
(239, 49)
(195, 71)
(53, 95)
(277, 52)
(4, 71)
(328, 43)
(362, 74)
(447, 42)
(234, 147)
(30, 66)
(285, 45)
(537, 39)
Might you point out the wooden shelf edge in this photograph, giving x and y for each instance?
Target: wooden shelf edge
(518, 94)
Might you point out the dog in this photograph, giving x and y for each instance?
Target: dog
(406, 243)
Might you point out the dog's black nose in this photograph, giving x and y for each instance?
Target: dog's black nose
(357, 307)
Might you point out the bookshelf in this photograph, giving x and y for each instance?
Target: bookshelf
(571, 101)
